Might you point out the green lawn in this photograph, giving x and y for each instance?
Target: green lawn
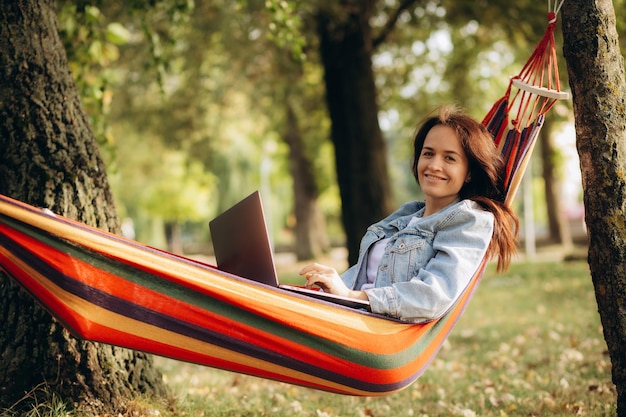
(529, 344)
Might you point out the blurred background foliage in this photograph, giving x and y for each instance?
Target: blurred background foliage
(188, 98)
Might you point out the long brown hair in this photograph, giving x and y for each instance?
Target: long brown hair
(485, 170)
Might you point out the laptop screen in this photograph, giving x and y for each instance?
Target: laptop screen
(241, 241)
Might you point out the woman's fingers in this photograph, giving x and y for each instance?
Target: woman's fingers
(316, 268)
(324, 277)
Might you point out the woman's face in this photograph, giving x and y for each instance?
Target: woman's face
(442, 168)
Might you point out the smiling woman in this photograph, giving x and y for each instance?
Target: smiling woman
(442, 168)
(414, 264)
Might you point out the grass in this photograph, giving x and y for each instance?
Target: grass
(529, 344)
(43, 403)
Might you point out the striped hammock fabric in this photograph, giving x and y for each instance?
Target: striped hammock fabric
(105, 288)
(109, 289)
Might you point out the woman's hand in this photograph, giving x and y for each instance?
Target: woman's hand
(329, 281)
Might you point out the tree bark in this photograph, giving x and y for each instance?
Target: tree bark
(360, 150)
(50, 159)
(596, 72)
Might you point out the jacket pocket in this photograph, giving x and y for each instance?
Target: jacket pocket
(408, 255)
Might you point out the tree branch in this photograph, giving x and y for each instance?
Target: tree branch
(391, 23)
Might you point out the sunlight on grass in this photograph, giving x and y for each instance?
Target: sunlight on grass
(530, 343)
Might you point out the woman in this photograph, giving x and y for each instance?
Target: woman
(414, 264)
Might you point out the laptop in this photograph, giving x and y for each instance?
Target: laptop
(242, 247)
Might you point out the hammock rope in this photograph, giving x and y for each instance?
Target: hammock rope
(110, 289)
(516, 118)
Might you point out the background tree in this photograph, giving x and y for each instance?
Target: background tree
(294, 82)
(552, 172)
(346, 48)
(596, 72)
(50, 159)
(311, 239)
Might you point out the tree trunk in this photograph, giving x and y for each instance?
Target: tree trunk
(310, 229)
(49, 158)
(174, 237)
(558, 226)
(360, 150)
(596, 72)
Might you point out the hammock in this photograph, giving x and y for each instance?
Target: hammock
(109, 289)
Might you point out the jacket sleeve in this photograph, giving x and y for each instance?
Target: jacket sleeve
(460, 246)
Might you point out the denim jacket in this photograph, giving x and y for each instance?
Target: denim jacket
(426, 266)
